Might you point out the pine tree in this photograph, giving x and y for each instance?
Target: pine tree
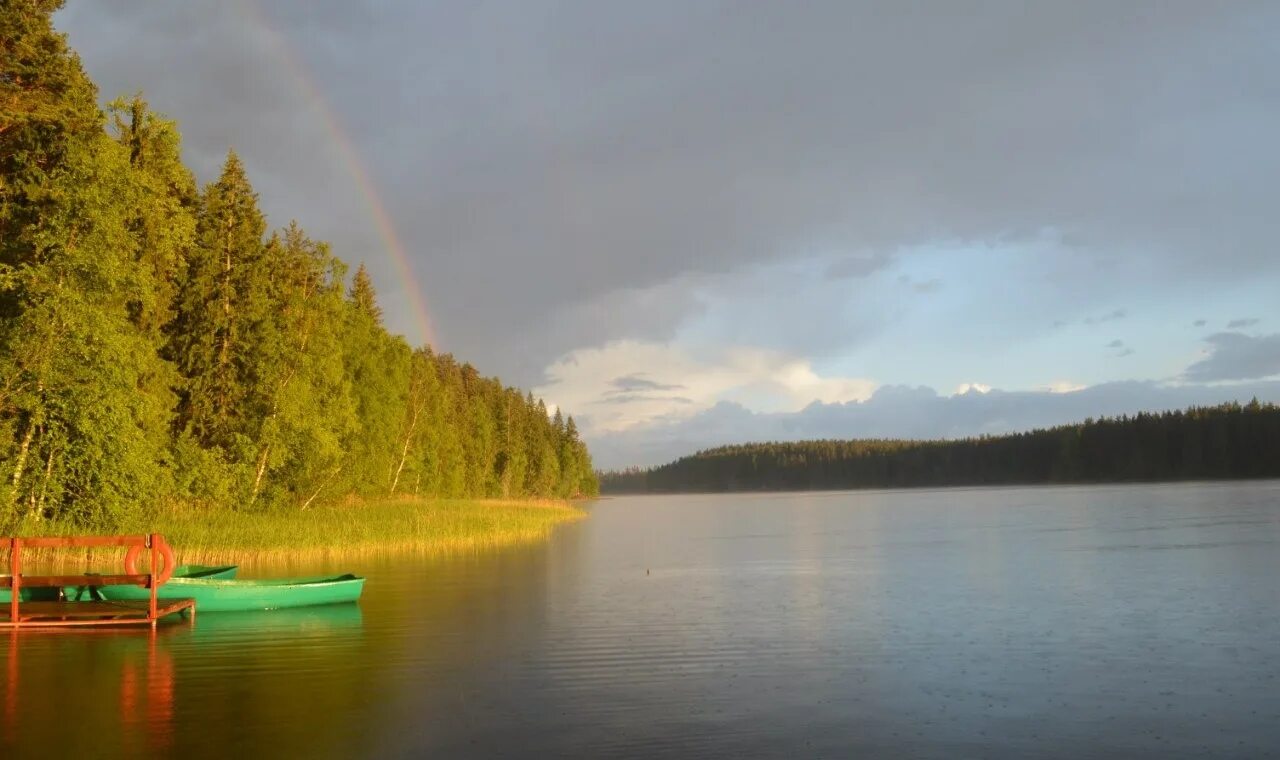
(165, 222)
(363, 299)
(217, 306)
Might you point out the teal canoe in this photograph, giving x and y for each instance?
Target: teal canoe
(80, 593)
(229, 595)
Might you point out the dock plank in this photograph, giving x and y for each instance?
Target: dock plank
(34, 614)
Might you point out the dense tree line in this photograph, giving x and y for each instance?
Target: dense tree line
(1227, 441)
(158, 343)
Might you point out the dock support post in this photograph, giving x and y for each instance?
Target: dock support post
(15, 573)
(151, 545)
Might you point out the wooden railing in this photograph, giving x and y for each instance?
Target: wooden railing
(153, 543)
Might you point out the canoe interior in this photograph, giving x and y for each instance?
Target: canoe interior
(206, 571)
(265, 582)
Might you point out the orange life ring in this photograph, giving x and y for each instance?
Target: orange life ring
(166, 553)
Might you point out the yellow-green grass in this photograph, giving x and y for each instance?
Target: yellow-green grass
(320, 534)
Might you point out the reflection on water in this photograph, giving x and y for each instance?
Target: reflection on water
(1129, 621)
(122, 691)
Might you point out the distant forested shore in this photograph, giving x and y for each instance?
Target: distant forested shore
(1201, 443)
(158, 345)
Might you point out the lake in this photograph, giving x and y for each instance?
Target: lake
(1136, 621)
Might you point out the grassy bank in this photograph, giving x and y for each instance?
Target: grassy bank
(326, 533)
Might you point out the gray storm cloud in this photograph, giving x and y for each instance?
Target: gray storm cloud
(1236, 356)
(631, 383)
(537, 157)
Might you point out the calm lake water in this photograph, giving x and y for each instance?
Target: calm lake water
(1135, 621)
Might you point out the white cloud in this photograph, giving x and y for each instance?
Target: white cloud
(964, 388)
(1062, 386)
(628, 383)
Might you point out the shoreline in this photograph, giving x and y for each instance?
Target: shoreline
(360, 529)
(946, 487)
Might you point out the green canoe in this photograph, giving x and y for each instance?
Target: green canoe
(79, 593)
(227, 595)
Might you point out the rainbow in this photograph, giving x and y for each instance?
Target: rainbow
(346, 150)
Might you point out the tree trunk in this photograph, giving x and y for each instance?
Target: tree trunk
(22, 457)
(332, 475)
(404, 451)
(224, 350)
(262, 468)
(44, 486)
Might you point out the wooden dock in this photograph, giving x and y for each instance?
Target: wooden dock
(60, 614)
(44, 613)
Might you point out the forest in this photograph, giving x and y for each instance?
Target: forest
(1200, 443)
(159, 345)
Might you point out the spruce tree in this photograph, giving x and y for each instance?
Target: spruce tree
(165, 222)
(363, 298)
(218, 304)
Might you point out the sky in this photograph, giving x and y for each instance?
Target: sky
(692, 223)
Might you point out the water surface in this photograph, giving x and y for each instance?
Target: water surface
(1138, 621)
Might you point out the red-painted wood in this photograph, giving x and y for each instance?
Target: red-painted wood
(15, 573)
(46, 581)
(151, 581)
(61, 614)
(61, 542)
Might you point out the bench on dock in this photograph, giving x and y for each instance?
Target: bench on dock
(57, 612)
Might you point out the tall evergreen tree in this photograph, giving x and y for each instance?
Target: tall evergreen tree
(219, 301)
(363, 298)
(165, 222)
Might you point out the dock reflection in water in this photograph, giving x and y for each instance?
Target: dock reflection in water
(121, 692)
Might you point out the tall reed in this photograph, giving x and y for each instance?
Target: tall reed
(321, 534)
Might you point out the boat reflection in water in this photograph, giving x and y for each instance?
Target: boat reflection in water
(273, 624)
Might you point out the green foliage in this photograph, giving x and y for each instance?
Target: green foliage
(1219, 442)
(82, 391)
(156, 346)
